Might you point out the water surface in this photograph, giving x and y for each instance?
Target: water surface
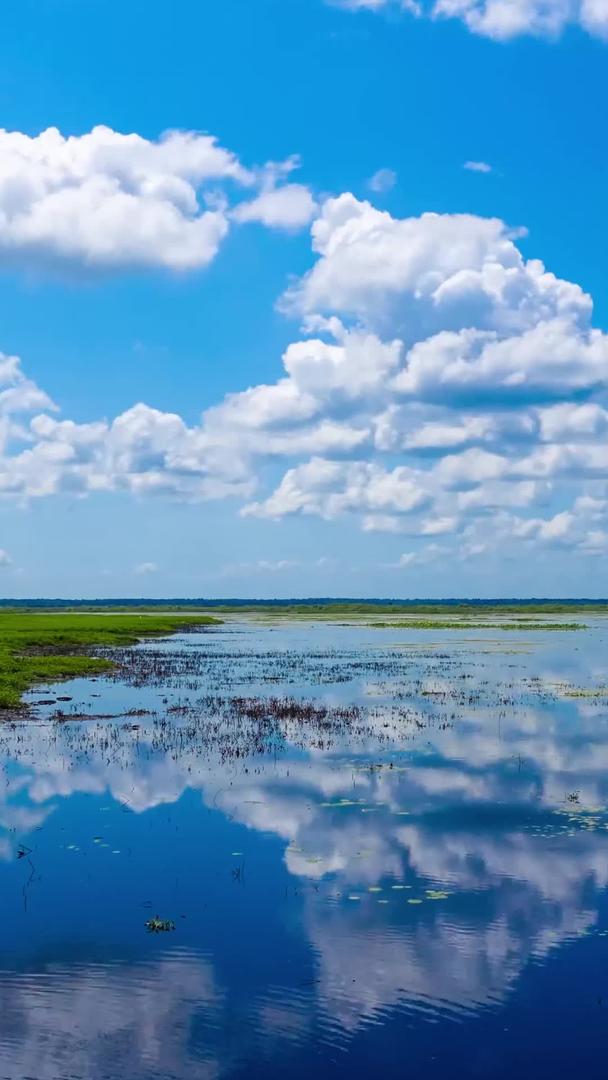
(410, 878)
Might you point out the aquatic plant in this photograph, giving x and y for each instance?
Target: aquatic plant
(156, 925)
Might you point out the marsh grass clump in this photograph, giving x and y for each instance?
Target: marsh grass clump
(219, 700)
(224, 702)
(222, 668)
(244, 727)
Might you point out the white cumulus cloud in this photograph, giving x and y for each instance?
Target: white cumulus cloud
(287, 207)
(503, 20)
(443, 388)
(106, 200)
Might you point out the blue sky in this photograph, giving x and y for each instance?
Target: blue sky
(385, 459)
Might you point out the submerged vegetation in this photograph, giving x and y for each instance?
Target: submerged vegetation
(157, 925)
(44, 647)
(248, 694)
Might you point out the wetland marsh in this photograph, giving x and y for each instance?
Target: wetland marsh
(270, 846)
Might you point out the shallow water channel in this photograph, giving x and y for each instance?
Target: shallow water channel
(371, 850)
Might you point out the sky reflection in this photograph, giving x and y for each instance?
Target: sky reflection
(415, 876)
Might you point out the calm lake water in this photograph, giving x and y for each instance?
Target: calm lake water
(398, 865)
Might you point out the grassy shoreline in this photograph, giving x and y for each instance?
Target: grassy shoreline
(322, 607)
(49, 646)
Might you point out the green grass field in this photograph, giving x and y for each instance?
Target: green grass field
(334, 608)
(44, 647)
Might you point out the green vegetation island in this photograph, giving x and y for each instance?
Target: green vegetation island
(44, 646)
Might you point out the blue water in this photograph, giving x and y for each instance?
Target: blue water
(418, 892)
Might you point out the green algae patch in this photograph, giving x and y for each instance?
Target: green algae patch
(459, 624)
(47, 647)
